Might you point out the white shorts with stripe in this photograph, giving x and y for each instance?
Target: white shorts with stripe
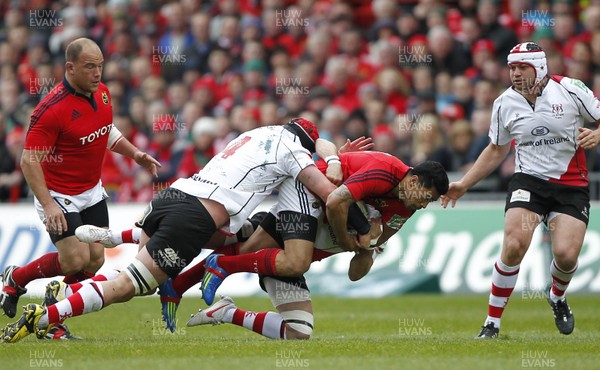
(74, 203)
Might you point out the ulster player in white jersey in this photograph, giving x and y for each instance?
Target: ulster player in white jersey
(545, 117)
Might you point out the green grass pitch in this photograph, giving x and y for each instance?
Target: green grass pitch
(405, 332)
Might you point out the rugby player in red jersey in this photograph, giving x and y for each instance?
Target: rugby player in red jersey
(68, 135)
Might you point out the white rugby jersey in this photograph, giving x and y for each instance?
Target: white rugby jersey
(247, 170)
(546, 136)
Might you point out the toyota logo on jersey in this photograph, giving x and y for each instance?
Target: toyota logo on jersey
(96, 134)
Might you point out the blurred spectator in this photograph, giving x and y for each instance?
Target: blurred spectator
(480, 123)
(407, 25)
(454, 157)
(341, 83)
(484, 94)
(384, 140)
(443, 90)
(357, 126)
(196, 156)
(462, 91)
(173, 43)
(481, 51)
(394, 88)
(196, 54)
(12, 183)
(166, 149)
(269, 113)
(504, 38)
(427, 138)
(445, 51)
(319, 98)
(332, 124)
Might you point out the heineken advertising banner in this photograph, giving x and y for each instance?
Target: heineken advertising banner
(437, 250)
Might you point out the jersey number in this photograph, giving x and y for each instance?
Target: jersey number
(228, 152)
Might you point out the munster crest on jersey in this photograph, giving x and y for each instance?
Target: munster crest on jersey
(105, 97)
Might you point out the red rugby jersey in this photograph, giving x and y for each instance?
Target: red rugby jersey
(370, 174)
(74, 129)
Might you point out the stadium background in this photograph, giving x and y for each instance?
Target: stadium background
(187, 76)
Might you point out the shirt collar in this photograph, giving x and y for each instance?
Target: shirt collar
(71, 90)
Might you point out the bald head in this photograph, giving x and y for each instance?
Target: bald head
(83, 69)
(76, 47)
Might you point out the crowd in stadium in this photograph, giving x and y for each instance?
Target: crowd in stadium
(187, 76)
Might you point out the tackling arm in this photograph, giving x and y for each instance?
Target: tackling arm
(328, 152)
(337, 207)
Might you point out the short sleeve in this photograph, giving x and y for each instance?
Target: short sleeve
(498, 133)
(295, 158)
(44, 129)
(587, 102)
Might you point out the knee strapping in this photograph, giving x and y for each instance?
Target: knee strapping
(140, 277)
(301, 321)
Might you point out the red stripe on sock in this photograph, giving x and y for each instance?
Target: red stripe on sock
(501, 292)
(257, 327)
(556, 291)
(238, 317)
(99, 277)
(53, 314)
(76, 304)
(562, 282)
(46, 266)
(75, 287)
(127, 236)
(494, 311)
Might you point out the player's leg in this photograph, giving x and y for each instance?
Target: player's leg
(298, 211)
(567, 223)
(108, 237)
(111, 238)
(519, 225)
(71, 257)
(294, 319)
(527, 201)
(294, 260)
(172, 290)
(177, 219)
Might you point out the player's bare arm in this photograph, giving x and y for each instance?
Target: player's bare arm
(360, 264)
(316, 182)
(32, 170)
(338, 203)
(488, 161)
(328, 151)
